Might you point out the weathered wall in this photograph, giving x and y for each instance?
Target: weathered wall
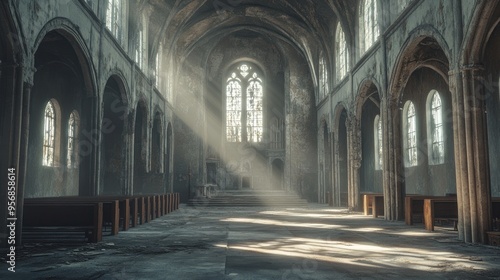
(492, 99)
(426, 178)
(301, 137)
(189, 128)
(371, 179)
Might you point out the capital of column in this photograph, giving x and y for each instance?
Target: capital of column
(29, 75)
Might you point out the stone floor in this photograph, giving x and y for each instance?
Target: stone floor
(263, 243)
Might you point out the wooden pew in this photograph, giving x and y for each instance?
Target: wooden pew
(440, 208)
(373, 203)
(86, 217)
(115, 208)
(414, 207)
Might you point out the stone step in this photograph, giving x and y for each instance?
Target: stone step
(250, 198)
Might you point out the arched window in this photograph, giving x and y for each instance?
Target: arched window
(49, 134)
(410, 134)
(244, 108)
(435, 128)
(368, 24)
(323, 77)
(72, 140)
(157, 69)
(140, 46)
(114, 18)
(342, 53)
(377, 129)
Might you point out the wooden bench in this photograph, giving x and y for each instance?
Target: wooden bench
(373, 204)
(414, 208)
(441, 209)
(43, 218)
(115, 209)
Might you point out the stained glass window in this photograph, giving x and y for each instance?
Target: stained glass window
(114, 17)
(254, 109)
(72, 136)
(139, 49)
(49, 135)
(368, 23)
(436, 125)
(411, 135)
(323, 77)
(244, 105)
(233, 109)
(342, 53)
(157, 70)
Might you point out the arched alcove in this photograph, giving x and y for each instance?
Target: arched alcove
(60, 77)
(114, 148)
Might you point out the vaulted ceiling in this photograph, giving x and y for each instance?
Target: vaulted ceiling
(187, 25)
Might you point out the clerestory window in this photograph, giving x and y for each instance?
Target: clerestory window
(368, 24)
(114, 12)
(342, 53)
(323, 77)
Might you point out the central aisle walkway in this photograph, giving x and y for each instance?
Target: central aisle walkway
(264, 243)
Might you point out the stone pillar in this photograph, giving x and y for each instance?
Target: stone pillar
(393, 172)
(471, 155)
(25, 84)
(354, 162)
(129, 146)
(388, 160)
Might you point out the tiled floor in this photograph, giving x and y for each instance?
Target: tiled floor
(263, 243)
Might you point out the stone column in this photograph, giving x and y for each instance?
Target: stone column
(393, 172)
(129, 147)
(354, 162)
(24, 85)
(471, 155)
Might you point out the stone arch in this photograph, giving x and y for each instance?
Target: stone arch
(114, 137)
(340, 162)
(64, 73)
(479, 32)
(480, 92)
(425, 47)
(169, 157)
(367, 108)
(71, 32)
(141, 122)
(425, 54)
(157, 140)
(121, 81)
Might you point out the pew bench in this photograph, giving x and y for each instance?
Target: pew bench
(440, 209)
(373, 204)
(56, 221)
(114, 208)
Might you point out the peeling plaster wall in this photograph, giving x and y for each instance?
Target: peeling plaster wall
(301, 138)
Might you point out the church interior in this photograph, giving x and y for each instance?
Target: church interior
(121, 117)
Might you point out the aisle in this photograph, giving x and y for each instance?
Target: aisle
(263, 243)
